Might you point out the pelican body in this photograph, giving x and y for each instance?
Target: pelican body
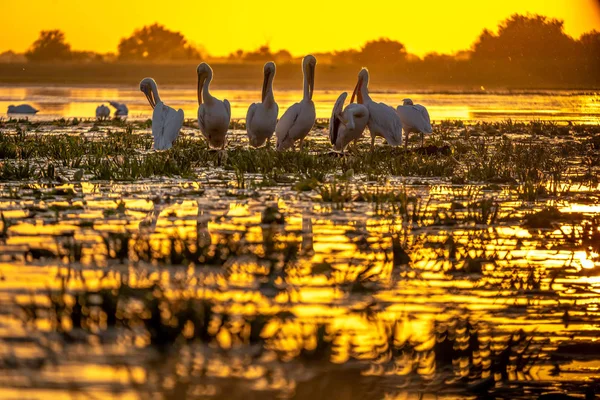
(166, 122)
(121, 109)
(213, 114)
(21, 109)
(383, 120)
(261, 118)
(102, 112)
(298, 120)
(347, 124)
(414, 117)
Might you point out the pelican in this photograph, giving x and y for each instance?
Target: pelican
(261, 118)
(213, 114)
(415, 119)
(21, 109)
(102, 112)
(298, 120)
(347, 125)
(166, 122)
(121, 109)
(383, 120)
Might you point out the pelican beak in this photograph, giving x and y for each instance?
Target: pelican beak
(150, 96)
(312, 80)
(341, 118)
(356, 88)
(201, 79)
(265, 84)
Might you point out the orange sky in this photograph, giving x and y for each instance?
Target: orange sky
(300, 26)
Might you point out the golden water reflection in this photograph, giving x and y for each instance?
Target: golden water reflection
(275, 296)
(81, 102)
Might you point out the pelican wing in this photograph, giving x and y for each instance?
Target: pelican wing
(166, 124)
(250, 116)
(201, 111)
(334, 121)
(426, 120)
(227, 108)
(286, 122)
(415, 118)
(384, 119)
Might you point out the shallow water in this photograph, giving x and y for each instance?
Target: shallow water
(81, 102)
(441, 292)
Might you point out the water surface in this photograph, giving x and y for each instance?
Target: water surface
(81, 102)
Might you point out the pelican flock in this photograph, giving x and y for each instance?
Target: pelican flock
(261, 118)
(298, 120)
(415, 119)
(347, 124)
(383, 119)
(166, 122)
(213, 114)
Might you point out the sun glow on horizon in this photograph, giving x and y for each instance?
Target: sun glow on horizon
(310, 26)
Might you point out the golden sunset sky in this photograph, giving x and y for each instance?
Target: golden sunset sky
(301, 26)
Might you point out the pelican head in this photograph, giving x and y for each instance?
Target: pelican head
(363, 82)
(407, 102)
(205, 73)
(269, 72)
(149, 88)
(308, 67)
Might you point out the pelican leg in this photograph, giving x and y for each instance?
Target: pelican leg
(301, 144)
(405, 140)
(372, 144)
(422, 139)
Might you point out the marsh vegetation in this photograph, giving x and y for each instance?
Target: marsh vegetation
(466, 268)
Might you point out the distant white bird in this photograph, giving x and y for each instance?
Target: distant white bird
(213, 114)
(346, 125)
(166, 122)
(383, 120)
(298, 120)
(121, 109)
(102, 112)
(261, 118)
(415, 119)
(21, 109)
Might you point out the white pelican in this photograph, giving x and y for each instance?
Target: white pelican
(213, 114)
(261, 118)
(121, 109)
(298, 120)
(21, 109)
(383, 120)
(415, 119)
(166, 122)
(346, 125)
(102, 112)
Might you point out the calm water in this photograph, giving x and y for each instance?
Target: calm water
(68, 102)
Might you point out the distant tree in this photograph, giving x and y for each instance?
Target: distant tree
(262, 54)
(590, 46)
(530, 38)
(283, 57)
(12, 57)
(381, 51)
(155, 42)
(50, 46)
(345, 57)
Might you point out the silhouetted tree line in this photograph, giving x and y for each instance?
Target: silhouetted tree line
(529, 47)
